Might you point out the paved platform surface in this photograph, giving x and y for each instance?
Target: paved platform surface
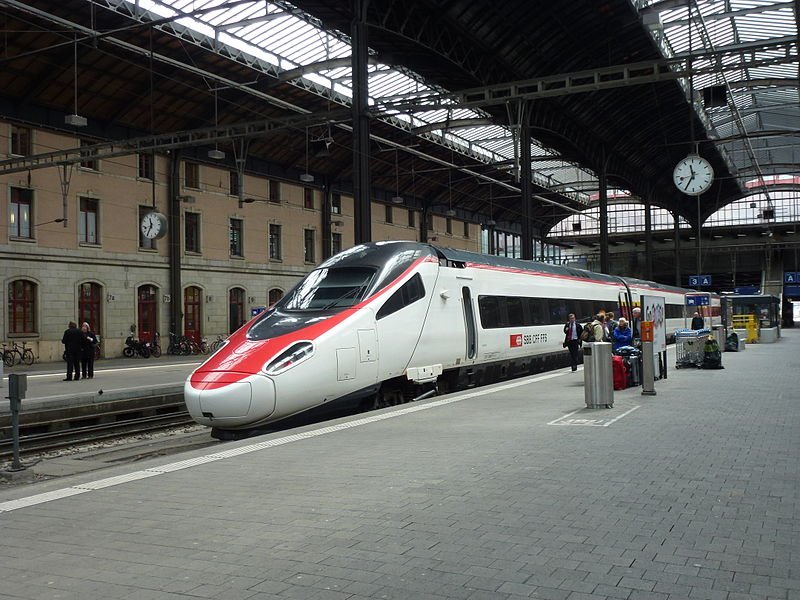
(118, 378)
(513, 491)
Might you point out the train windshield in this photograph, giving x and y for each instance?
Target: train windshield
(330, 289)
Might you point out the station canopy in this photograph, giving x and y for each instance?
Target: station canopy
(427, 142)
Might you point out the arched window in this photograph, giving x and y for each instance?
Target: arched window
(90, 305)
(274, 295)
(147, 300)
(235, 309)
(193, 313)
(22, 306)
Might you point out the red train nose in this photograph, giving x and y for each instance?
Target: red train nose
(211, 380)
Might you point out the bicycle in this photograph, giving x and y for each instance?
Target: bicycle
(217, 344)
(18, 355)
(8, 357)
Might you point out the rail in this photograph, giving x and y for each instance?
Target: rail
(52, 429)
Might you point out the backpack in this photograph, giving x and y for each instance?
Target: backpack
(587, 335)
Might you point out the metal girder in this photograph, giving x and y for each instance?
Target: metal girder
(163, 142)
(729, 14)
(323, 65)
(455, 124)
(594, 80)
(250, 21)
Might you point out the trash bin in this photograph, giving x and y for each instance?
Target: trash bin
(719, 335)
(598, 378)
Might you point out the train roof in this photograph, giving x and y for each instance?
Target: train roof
(385, 252)
(540, 267)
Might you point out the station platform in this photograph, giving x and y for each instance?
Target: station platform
(114, 379)
(514, 490)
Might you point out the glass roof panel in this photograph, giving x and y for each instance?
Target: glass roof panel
(290, 39)
(725, 28)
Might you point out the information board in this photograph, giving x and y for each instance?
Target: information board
(697, 300)
(654, 309)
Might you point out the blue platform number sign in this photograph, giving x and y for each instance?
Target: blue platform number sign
(699, 280)
(697, 300)
(791, 278)
(257, 310)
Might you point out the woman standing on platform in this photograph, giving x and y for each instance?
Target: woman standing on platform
(87, 351)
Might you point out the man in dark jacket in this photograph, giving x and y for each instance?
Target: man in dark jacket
(73, 344)
(697, 321)
(572, 340)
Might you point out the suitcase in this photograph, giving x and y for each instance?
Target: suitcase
(634, 374)
(620, 375)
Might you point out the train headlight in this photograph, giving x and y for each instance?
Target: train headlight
(293, 355)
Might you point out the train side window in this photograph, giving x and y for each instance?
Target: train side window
(411, 291)
(489, 310)
(558, 311)
(516, 318)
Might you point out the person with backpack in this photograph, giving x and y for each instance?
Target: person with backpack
(598, 332)
(572, 339)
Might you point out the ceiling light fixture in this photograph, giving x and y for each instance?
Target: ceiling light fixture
(397, 198)
(216, 153)
(306, 177)
(76, 120)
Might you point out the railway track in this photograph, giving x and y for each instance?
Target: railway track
(48, 430)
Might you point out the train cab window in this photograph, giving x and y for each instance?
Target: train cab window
(411, 291)
(330, 289)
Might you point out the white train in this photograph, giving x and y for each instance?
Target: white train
(380, 322)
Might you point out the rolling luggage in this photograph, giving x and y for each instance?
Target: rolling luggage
(634, 373)
(620, 375)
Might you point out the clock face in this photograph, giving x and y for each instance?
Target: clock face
(693, 175)
(154, 225)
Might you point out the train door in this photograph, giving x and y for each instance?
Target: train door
(469, 322)
(625, 305)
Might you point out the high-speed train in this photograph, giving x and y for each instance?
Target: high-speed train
(382, 322)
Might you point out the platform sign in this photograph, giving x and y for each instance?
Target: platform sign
(791, 278)
(697, 300)
(789, 291)
(746, 290)
(699, 280)
(654, 309)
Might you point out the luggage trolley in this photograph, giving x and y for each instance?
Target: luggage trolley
(689, 345)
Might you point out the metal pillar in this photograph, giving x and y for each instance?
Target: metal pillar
(603, 220)
(698, 243)
(525, 183)
(648, 239)
(423, 224)
(677, 246)
(327, 217)
(174, 218)
(361, 179)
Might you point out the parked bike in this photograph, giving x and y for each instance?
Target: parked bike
(217, 343)
(134, 347)
(17, 355)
